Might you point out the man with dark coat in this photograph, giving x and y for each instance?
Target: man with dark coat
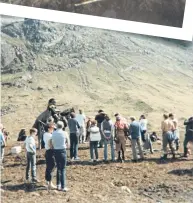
(188, 135)
(42, 119)
(100, 117)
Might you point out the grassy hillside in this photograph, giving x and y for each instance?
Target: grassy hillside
(91, 69)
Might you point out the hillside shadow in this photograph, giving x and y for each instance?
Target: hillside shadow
(24, 187)
(182, 172)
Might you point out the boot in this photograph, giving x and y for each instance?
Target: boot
(186, 152)
(174, 156)
(119, 157)
(164, 157)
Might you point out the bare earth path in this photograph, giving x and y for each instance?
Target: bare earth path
(148, 181)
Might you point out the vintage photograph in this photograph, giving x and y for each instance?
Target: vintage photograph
(160, 12)
(91, 115)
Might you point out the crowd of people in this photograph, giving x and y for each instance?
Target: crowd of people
(100, 132)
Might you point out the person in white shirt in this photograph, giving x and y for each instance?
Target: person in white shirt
(143, 122)
(50, 161)
(95, 137)
(30, 146)
(81, 118)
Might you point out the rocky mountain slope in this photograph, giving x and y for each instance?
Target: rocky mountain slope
(161, 12)
(91, 69)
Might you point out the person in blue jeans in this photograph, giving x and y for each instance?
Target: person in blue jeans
(74, 128)
(60, 142)
(95, 137)
(107, 130)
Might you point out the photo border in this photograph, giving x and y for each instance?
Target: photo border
(184, 33)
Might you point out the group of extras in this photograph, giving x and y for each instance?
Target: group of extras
(100, 132)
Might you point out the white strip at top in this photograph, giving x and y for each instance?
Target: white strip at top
(184, 33)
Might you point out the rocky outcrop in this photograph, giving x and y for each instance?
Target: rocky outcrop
(33, 45)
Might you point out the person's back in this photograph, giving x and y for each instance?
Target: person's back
(135, 129)
(73, 125)
(107, 125)
(167, 125)
(81, 119)
(59, 138)
(143, 123)
(95, 133)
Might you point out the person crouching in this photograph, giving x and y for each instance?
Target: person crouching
(95, 137)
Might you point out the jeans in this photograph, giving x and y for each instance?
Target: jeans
(82, 134)
(50, 164)
(106, 142)
(73, 145)
(137, 142)
(31, 163)
(168, 138)
(101, 143)
(93, 149)
(60, 156)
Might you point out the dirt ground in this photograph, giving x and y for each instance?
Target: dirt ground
(149, 181)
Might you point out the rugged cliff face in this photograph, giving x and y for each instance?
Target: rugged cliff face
(91, 69)
(161, 12)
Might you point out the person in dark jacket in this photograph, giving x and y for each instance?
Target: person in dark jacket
(74, 136)
(40, 122)
(100, 117)
(188, 135)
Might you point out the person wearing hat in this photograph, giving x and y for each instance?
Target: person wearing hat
(42, 119)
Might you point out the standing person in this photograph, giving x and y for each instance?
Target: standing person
(143, 122)
(120, 138)
(81, 118)
(135, 132)
(3, 144)
(31, 155)
(60, 141)
(88, 125)
(74, 136)
(107, 130)
(95, 137)
(121, 117)
(50, 161)
(167, 128)
(124, 120)
(188, 135)
(176, 130)
(100, 117)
